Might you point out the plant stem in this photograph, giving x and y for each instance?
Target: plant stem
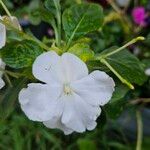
(13, 74)
(8, 80)
(58, 16)
(124, 46)
(5, 8)
(140, 100)
(25, 36)
(117, 74)
(139, 130)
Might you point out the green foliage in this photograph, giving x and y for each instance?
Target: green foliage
(117, 102)
(146, 62)
(40, 14)
(81, 19)
(20, 54)
(127, 65)
(52, 6)
(82, 50)
(9, 96)
(147, 41)
(120, 91)
(28, 10)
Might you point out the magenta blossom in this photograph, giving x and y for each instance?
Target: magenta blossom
(139, 15)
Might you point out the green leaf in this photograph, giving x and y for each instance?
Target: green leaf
(127, 65)
(82, 19)
(34, 17)
(47, 16)
(115, 109)
(20, 54)
(52, 6)
(120, 91)
(118, 101)
(9, 96)
(146, 62)
(40, 14)
(147, 41)
(32, 10)
(82, 50)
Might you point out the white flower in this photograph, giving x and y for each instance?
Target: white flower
(70, 99)
(13, 21)
(2, 66)
(147, 72)
(2, 34)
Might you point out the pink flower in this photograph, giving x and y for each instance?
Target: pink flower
(138, 15)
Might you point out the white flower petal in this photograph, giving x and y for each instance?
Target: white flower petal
(2, 83)
(56, 123)
(74, 68)
(79, 115)
(71, 116)
(49, 68)
(2, 34)
(39, 101)
(96, 88)
(147, 72)
(46, 66)
(2, 66)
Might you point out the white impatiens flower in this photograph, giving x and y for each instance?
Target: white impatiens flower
(2, 66)
(70, 97)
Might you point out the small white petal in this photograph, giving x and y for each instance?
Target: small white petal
(147, 72)
(56, 123)
(38, 101)
(74, 68)
(96, 88)
(2, 66)
(2, 83)
(2, 34)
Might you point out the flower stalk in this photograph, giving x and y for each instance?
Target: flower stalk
(140, 38)
(139, 130)
(58, 29)
(117, 74)
(102, 59)
(5, 8)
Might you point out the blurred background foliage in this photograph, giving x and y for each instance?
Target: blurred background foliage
(116, 129)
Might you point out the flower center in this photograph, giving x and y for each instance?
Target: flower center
(67, 89)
